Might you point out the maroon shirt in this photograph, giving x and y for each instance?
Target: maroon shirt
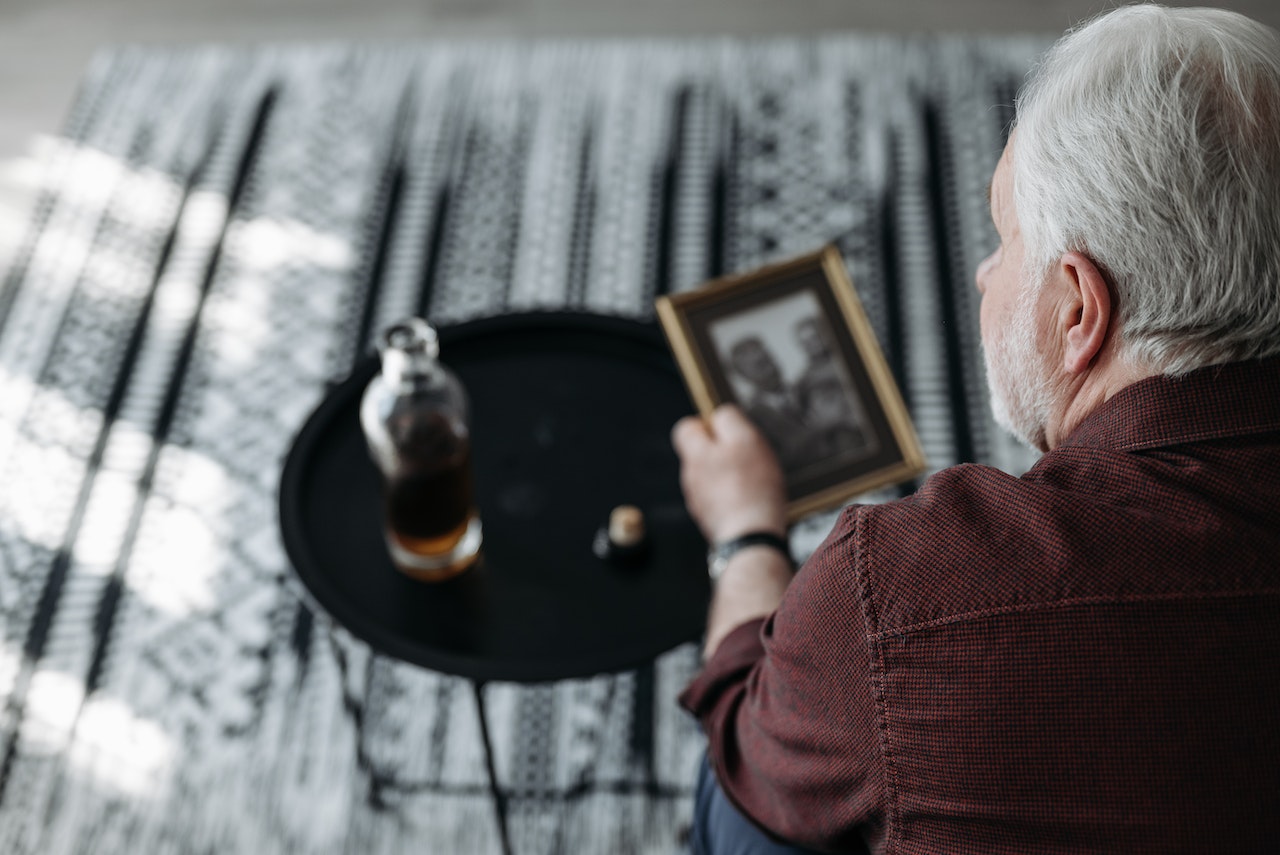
(1083, 659)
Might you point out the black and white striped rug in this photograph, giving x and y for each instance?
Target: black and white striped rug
(219, 231)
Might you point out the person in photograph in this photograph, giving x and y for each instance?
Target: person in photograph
(831, 420)
(1084, 658)
(772, 406)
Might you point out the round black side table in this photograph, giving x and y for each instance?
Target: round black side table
(571, 416)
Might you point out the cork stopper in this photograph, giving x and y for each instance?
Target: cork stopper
(626, 526)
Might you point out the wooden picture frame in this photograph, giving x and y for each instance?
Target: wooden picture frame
(791, 345)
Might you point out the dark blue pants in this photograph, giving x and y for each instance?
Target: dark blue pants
(720, 829)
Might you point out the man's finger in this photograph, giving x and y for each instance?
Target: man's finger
(688, 434)
(729, 421)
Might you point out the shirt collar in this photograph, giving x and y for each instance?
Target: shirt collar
(1220, 401)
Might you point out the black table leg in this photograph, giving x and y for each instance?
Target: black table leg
(499, 800)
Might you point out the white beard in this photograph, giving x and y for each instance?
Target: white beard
(1021, 394)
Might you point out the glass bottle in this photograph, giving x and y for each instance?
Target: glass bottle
(415, 419)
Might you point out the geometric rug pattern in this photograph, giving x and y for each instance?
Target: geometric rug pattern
(219, 233)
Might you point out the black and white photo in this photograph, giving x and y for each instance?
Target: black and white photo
(786, 376)
(791, 346)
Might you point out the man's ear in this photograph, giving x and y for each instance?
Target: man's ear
(1087, 317)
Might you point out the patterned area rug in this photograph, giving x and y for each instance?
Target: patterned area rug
(219, 231)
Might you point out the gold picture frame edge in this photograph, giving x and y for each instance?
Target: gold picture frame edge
(882, 380)
(692, 369)
(827, 499)
(672, 310)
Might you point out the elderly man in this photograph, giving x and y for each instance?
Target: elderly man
(1086, 658)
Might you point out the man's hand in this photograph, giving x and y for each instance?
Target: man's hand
(730, 476)
(733, 485)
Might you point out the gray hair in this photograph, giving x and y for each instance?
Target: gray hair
(1149, 140)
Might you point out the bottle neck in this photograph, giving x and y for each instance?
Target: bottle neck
(409, 355)
(408, 370)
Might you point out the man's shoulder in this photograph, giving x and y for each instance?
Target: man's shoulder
(961, 501)
(1079, 527)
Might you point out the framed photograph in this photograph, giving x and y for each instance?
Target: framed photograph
(791, 345)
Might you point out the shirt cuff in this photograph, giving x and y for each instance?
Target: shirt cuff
(737, 654)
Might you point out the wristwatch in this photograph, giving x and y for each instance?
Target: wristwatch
(719, 554)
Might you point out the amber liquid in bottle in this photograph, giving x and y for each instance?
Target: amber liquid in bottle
(429, 502)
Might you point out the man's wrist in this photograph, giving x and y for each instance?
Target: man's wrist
(758, 516)
(721, 552)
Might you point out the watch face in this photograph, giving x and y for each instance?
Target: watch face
(718, 556)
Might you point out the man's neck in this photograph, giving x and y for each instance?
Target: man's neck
(1089, 391)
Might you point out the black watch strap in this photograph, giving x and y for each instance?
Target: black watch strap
(719, 554)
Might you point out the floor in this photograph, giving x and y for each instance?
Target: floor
(44, 44)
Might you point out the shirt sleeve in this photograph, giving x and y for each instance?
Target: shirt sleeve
(789, 710)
